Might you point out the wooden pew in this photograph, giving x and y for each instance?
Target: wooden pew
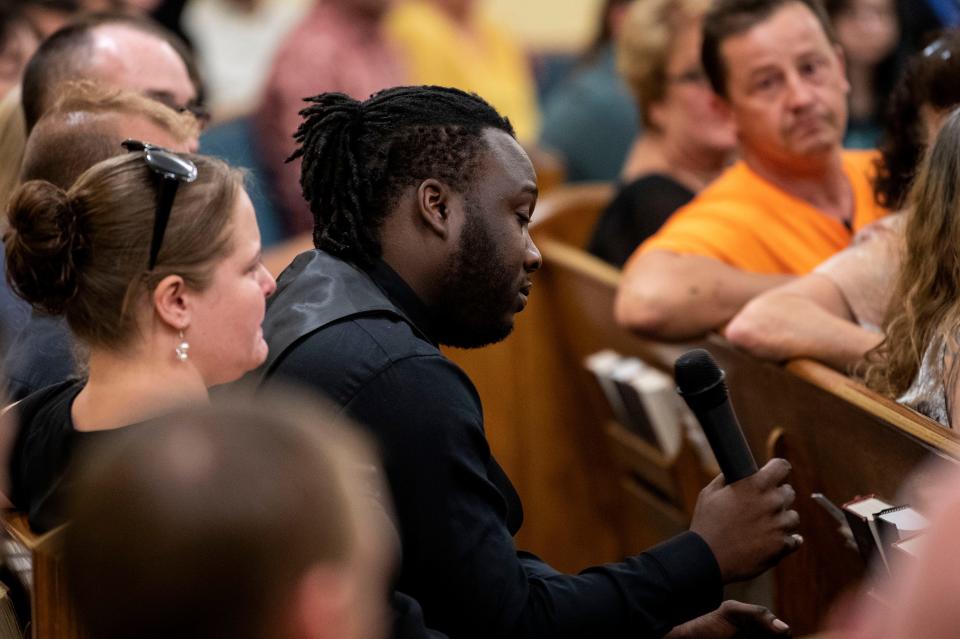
(842, 439)
(52, 614)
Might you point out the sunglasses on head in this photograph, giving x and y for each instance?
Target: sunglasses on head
(938, 48)
(172, 170)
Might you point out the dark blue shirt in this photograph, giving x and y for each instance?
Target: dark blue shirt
(13, 310)
(40, 356)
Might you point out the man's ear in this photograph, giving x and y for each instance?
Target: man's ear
(725, 109)
(171, 301)
(433, 206)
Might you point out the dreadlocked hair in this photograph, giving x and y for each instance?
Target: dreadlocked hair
(358, 157)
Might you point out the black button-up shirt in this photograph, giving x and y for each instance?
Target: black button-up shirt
(457, 511)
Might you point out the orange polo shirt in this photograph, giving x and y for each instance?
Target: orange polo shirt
(747, 222)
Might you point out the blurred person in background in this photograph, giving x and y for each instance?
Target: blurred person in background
(590, 119)
(153, 258)
(253, 521)
(13, 138)
(340, 46)
(834, 314)
(86, 126)
(235, 42)
(116, 51)
(18, 41)
(869, 32)
(49, 16)
(687, 139)
(794, 199)
(452, 43)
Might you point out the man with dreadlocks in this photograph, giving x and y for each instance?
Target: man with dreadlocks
(421, 199)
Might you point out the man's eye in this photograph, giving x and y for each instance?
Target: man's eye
(811, 69)
(764, 84)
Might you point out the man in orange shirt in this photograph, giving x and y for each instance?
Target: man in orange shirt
(794, 198)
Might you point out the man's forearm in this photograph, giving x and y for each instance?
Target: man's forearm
(673, 297)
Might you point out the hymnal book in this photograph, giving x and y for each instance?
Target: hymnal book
(861, 515)
(897, 524)
(908, 548)
(660, 408)
(642, 399)
(637, 419)
(602, 364)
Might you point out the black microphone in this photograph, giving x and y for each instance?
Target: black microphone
(701, 384)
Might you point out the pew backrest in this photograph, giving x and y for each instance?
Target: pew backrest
(842, 439)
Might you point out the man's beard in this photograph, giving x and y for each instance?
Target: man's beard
(478, 293)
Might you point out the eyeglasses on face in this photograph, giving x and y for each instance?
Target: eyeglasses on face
(694, 76)
(172, 170)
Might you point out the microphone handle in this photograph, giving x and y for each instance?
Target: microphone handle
(726, 438)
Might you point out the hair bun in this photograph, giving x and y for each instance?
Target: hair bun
(45, 247)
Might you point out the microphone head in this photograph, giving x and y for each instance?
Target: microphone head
(697, 375)
(696, 370)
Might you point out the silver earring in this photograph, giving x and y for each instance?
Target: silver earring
(182, 349)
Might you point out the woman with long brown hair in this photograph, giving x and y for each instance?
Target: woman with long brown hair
(917, 361)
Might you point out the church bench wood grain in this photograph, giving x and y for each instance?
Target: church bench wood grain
(52, 614)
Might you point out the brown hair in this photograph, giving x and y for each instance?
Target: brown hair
(645, 44)
(729, 18)
(83, 253)
(86, 126)
(929, 79)
(926, 301)
(201, 524)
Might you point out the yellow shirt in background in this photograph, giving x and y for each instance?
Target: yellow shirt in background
(487, 61)
(747, 222)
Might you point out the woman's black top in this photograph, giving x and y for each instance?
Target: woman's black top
(46, 443)
(637, 212)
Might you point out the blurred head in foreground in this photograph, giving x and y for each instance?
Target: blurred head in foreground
(240, 521)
